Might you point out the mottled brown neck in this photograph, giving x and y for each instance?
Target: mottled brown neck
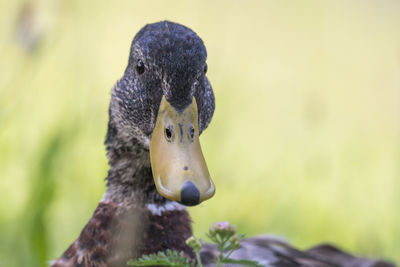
(130, 179)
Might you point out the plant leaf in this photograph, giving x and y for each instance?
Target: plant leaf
(242, 262)
(167, 258)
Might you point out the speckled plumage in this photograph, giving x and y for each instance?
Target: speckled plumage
(273, 251)
(116, 233)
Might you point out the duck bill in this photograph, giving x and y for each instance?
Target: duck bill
(179, 170)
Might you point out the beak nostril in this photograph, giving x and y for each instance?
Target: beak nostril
(191, 132)
(190, 195)
(168, 132)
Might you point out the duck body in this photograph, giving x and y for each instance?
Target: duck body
(116, 234)
(158, 109)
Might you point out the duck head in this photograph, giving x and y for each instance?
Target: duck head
(163, 103)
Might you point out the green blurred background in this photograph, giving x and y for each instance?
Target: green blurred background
(305, 141)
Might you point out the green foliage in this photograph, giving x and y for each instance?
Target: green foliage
(222, 234)
(167, 258)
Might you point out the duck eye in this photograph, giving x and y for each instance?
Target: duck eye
(205, 69)
(191, 133)
(140, 66)
(168, 133)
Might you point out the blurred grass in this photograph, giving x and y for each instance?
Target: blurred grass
(305, 141)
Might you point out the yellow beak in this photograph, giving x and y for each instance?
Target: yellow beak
(179, 170)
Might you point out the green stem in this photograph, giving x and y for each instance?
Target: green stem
(221, 245)
(198, 258)
(229, 254)
(220, 257)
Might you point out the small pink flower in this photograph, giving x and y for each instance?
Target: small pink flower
(222, 228)
(222, 225)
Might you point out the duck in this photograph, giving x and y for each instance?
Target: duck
(158, 109)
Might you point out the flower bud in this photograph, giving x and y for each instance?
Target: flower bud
(235, 242)
(194, 243)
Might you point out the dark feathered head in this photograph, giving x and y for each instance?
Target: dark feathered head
(163, 102)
